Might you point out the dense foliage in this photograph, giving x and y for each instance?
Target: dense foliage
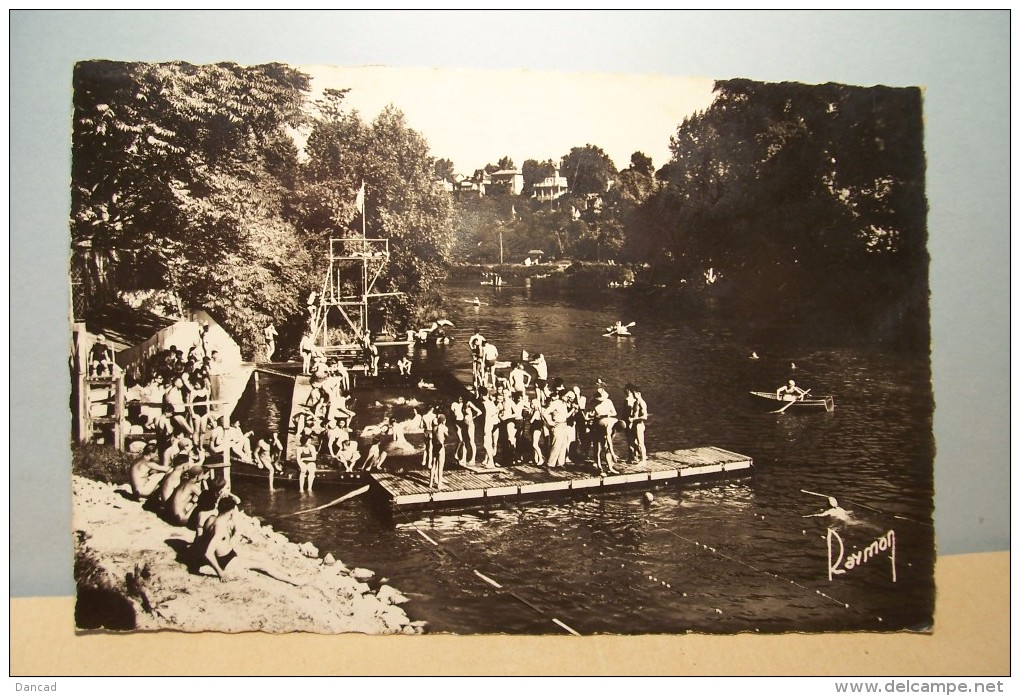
(777, 194)
(403, 202)
(182, 171)
(189, 179)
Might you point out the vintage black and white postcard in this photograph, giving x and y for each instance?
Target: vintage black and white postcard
(384, 350)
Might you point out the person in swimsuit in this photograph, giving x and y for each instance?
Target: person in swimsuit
(489, 355)
(835, 512)
(427, 420)
(471, 411)
(307, 453)
(604, 414)
(348, 455)
(636, 423)
(175, 403)
(306, 347)
(476, 343)
(404, 366)
(790, 392)
(264, 459)
(214, 546)
(100, 358)
(270, 336)
(147, 472)
(374, 457)
(182, 503)
(556, 413)
(519, 379)
(439, 435)
(490, 414)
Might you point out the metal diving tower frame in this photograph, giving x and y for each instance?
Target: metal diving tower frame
(355, 265)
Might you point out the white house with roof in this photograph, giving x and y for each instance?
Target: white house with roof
(507, 180)
(551, 187)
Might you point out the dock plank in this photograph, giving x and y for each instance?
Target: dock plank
(464, 485)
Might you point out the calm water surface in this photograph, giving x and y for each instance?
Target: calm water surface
(725, 557)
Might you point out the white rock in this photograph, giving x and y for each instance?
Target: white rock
(389, 595)
(363, 574)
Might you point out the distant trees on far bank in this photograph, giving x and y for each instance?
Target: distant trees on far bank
(787, 193)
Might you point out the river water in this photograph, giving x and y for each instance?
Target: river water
(724, 557)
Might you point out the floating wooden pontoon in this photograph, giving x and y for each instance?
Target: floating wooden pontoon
(467, 487)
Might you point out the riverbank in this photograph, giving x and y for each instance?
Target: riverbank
(130, 576)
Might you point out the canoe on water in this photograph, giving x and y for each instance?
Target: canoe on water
(825, 402)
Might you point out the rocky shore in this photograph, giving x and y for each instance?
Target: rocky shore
(130, 576)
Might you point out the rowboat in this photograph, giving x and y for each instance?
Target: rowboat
(325, 476)
(816, 401)
(618, 329)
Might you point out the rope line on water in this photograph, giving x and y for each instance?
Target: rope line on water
(845, 605)
(485, 578)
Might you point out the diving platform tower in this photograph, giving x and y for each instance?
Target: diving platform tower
(339, 316)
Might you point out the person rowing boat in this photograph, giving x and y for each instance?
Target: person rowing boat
(619, 329)
(790, 392)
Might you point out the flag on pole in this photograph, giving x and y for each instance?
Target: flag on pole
(359, 202)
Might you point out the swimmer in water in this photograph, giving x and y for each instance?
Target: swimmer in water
(834, 511)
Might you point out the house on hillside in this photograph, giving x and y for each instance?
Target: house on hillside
(551, 187)
(506, 181)
(474, 185)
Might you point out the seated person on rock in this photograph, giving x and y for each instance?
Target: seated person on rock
(215, 546)
(147, 472)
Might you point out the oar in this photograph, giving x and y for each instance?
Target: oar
(334, 502)
(831, 500)
(799, 398)
(612, 329)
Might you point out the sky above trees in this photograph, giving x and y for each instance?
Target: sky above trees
(474, 117)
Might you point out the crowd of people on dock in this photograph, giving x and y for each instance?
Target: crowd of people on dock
(322, 423)
(529, 418)
(513, 414)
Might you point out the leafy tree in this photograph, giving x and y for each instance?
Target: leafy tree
(533, 172)
(444, 170)
(641, 163)
(588, 170)
(821, 186)
(402, 201)
(505, 163)
(186, 168)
